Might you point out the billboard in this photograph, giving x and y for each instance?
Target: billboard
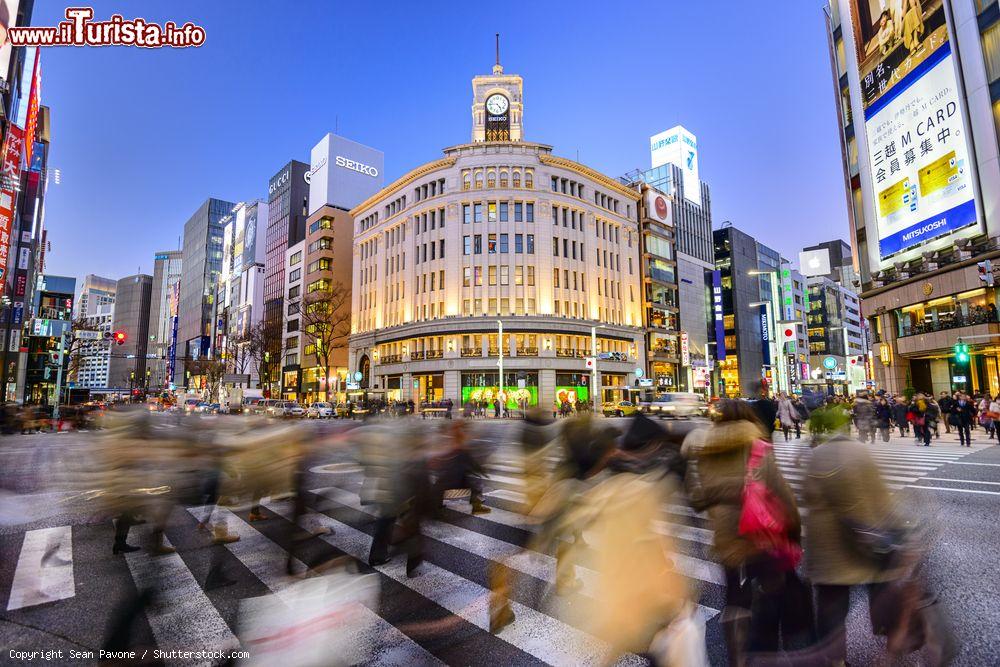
(343, 173)
(680, 147)
(10, 181)
(815, 262)
(717, 315)
(921, 169)
(658, 207)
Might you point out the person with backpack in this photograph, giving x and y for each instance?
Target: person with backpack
(731, 467)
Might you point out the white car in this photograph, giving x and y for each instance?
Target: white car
(676, 405)
(285, 409)
(320, 411)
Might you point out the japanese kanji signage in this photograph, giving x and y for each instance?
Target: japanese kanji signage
(10, 179)
(921, 172)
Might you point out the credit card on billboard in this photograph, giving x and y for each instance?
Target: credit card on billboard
(894, 197)
(938, 174)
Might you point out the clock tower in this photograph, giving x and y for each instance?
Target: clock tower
(497, 106)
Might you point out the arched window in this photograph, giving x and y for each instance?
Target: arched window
(491, 179)
(465, 181)
(503, 179)
(529, 180)
(479, 180)
(517, 179)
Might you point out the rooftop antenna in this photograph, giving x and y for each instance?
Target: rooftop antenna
(498, 68)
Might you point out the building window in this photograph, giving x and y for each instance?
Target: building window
(491, 212)
(518, 243)
(477, 212)
(504, 211)
(479, 276)
(293, 325)
(492, 275)
(555, 280)
(293, 292)
(491, 244)
(518, 275)
(518, 212)
(478, 244)
(531, 244)
(529, 211)
(467, 277)
(295, 258)
(503, 243)
(467, 245)
(466, 214)
(293, 308)
(531, 276)
(294, 275)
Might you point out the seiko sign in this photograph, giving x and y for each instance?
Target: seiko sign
(354, 165)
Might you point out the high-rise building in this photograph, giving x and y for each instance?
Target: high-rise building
(344, 174)
(201, 265)
(498, 256)
(288, 208)
(164, 298)
(239, 301)
(918, 86)
(753, 303)
(841, 262)
(93, 309)
(128, 361)
(836, 338)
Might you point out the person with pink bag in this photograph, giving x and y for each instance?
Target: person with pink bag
(734, 477)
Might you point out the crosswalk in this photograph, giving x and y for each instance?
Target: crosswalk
(438, 617)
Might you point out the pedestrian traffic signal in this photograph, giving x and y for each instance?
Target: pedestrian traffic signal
(961, 353)
(120, 337)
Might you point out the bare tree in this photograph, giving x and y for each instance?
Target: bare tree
(212, 370)
(262, 338)
(74, 351)
(326, 319)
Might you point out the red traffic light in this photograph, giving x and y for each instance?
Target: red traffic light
(120, 337)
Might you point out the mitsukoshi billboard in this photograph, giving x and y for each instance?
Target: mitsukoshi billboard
(921, 167)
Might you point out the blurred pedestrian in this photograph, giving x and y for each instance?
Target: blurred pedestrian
(786, 414)
(883, 418)
(945, 402)
(899, 412)
(765, 409)
(864, 417)
(800, 415)
(918, 416)
(764, 598)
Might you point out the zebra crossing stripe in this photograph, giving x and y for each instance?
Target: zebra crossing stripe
(538, 634)
(183, 617)
(44, 568)
(267, 561)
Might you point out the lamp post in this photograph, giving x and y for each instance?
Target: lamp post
(501, 397)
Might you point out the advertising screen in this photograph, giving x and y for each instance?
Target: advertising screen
(921, 169)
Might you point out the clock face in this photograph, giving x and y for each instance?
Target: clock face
(497, 104)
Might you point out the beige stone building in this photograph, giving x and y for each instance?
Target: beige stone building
(498, 232)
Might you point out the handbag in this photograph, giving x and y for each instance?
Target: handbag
(682, 643)
(763, 519)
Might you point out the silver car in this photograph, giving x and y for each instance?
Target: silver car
(320, 411)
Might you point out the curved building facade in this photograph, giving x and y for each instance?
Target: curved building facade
(497, 234)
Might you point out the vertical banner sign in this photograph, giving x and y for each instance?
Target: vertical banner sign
(34, 99)
(685, 349)
(720, 328)
(765, 334)
(10, 179)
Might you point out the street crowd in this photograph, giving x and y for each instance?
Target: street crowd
(789, 568)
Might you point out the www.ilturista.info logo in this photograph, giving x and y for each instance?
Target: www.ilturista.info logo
(80, 30)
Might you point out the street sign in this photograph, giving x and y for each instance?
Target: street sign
(646, 382)
(591, 362)
(87, 335)
(639, 372)
(829, 362)
(351, 386)
(236, 378)
(358, 375)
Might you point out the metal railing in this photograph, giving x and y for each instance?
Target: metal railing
(472, 352)
(946, 323)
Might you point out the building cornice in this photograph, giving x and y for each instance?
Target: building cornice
(606, 181)
(401, 182)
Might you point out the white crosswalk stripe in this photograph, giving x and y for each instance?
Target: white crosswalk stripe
(44, 568)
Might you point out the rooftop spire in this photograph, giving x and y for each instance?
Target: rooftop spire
(498, 68)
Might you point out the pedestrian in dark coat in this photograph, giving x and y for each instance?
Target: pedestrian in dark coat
(899, 410)
(883, 418)
(945, 402)
(962, 416)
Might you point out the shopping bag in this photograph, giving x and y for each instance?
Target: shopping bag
(763, 519)
(681, 644)
(315, 622)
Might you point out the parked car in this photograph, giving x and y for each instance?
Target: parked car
(676, 405)
(342, 410)
(191, 404)
(320, 411)
(619, 408)
(262, 407)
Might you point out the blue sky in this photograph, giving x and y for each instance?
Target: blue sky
(142, 137)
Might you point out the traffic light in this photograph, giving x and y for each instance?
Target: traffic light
(961, 352)
(120, 337)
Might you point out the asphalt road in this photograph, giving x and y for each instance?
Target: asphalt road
(60, 585)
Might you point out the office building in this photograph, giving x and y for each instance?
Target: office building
(93, 311)
(129, 368)
(837, 257)
(498, 233)
(201, 264)
(291, 329)
(836, 340)
(239, 300)
(51, 315)
(288, 208)
(164, 301)
(923, 189)
(754, 345)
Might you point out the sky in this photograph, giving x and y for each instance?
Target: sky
(143, 136)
